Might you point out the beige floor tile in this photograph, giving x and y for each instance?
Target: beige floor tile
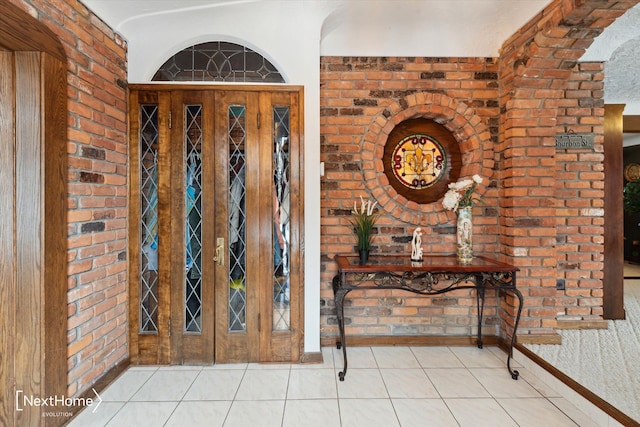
(215, 384)
(456, 383)
(266, 384)
(416, 412)
(166, 385)
(368, 413)
(408, 383)
(384, 386)
(199, 414)
(312, 384)
(480, 413)
(499, 383)
(362, 384)
(98, 418)
(474, 357)
(136, 414)
(127, 385)
(436, 357)
(535, 412)
(311, 413)
(263, 413)
(395, 357)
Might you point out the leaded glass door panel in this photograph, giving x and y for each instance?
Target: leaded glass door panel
(257, 165)
(216, 218)
(149, 253)
(192, 227)
(281, 198)
(237, 226)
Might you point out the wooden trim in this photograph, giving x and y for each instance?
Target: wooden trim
(631, 124)
(7, 236)
(37, 220)
(309, 358)
(54, 194)
(29, 254)
(609, 409)
(133, 234)
(215, 87)
(300, 228)
(19, 31)
(613, 289)
(540, 339)
(582, 324)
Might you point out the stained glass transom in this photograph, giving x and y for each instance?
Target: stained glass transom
(218, 61)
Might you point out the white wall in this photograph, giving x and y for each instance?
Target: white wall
(293, 35)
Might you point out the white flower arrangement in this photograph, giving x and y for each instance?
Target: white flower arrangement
(460, 194)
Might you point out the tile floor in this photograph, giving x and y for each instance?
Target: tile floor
(384, 386)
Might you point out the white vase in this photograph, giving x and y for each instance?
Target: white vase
(464, 235)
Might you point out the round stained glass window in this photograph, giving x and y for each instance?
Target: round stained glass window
(418, 161)
(421, 157)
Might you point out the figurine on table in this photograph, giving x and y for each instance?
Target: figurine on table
(416, 245)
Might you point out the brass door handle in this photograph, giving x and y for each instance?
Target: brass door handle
(219, 258)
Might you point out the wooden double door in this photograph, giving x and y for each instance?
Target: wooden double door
(216, 217)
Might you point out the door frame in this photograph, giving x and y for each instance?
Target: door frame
(613, 269)
(33, 101)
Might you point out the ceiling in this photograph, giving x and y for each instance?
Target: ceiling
(618, 45)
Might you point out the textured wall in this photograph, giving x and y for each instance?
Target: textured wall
(362, 100)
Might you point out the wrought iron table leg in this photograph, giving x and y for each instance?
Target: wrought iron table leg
(339, 295)
(480, 304)
(514, 373)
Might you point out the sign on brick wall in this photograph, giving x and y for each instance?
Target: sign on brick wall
(574, 140)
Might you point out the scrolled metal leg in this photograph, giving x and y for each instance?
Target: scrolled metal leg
(514, 373)
(339, 295)
(480, 304)
(342, 343)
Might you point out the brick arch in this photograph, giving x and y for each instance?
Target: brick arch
(535, 68)
(466, 127)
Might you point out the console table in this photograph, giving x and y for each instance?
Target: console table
(434, 275)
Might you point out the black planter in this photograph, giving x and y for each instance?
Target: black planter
(364, 256)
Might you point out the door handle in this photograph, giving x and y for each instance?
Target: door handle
(219, 258)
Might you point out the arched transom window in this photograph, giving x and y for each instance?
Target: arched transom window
(218, 61)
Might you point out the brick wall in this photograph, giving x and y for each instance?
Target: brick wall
(544, 210)
(579, 197)
(551, 201)
(97, 129)
(362, 99)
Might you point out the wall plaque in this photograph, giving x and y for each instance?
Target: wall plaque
(574, 140)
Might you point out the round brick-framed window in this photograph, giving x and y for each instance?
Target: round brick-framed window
(421, 157)
(461, 122)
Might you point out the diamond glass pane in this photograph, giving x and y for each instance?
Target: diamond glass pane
(149, 219)
(281, 229)
(237, 218)
(218, 61)
(193, 218)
